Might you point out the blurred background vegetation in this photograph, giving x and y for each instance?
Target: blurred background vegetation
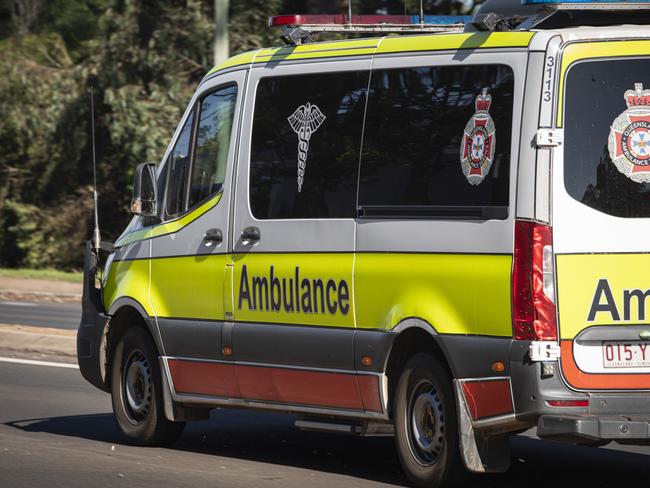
(144, 58)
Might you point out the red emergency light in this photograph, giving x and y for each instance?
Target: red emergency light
(370, 23)
(300, 20)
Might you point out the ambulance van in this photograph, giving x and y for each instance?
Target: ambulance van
(441, 235)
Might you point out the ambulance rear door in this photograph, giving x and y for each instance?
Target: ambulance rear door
(601, 215)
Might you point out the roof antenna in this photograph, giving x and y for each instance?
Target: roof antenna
(97, 238)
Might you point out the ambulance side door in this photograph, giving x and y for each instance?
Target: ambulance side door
(293, 234)
(190, 248)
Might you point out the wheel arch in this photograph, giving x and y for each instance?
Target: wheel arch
(412, 336)
(127, 312)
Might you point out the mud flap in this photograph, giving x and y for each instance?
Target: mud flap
(173, 411)
(482, 451)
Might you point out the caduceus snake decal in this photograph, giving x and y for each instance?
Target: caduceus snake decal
(305, 121)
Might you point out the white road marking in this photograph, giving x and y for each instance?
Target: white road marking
(20, 304)
(38, 363)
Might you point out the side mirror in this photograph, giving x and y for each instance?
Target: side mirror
(144, 190)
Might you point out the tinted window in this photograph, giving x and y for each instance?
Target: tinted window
(415, 137)
(305, 145)
(608, 169)
(179, 165)
(212, 144)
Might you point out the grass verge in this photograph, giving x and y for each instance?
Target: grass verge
(43, 274)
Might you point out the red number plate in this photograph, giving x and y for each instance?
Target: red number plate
(626, 354)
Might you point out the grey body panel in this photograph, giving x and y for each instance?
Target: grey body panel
(581, 429)
(472, 356)
(547, 80)
(189, 240)
(375, 344)
(134, 250)
(197, 339)
(290, 345)
(530, 389)
(526, 173)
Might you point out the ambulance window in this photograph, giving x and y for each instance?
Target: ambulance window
(179, 164)
(305, 145)
(607, 136)
(212, 144)
(423, 126)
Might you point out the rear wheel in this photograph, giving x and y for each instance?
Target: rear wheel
(136, 391)
(426, 428)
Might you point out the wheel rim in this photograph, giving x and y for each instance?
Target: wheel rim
(136, 386)
(425, 423)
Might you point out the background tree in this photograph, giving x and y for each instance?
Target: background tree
(144, 59)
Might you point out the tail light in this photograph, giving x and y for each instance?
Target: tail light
(533, 286)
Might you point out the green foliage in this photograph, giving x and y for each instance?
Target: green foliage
(143, 59)
(248, 24)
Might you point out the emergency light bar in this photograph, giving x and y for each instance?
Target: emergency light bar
(371, 23)
(590, 4)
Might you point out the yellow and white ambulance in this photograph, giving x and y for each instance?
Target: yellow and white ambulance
(441, 236)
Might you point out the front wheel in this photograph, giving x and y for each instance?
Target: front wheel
(426, 428)
(136, 392)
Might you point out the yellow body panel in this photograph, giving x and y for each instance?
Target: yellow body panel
(188, 286)
(441, 42)
(590, 50)
(456, 294)
(379, 45)
(578, 277)
(128, 279)
(324, 267)
(237, 60)
(354, 47)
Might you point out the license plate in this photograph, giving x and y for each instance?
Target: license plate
(626, 354)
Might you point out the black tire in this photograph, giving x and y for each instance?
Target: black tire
(136, 392)
(428, 447)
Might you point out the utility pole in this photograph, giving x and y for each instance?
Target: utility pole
(221, 47)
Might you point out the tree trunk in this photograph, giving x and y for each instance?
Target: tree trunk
(221, 41)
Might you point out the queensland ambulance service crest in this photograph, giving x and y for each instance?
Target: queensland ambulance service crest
(629, 137)
(479, 140)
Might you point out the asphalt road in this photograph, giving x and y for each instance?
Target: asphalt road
(56, 430)
(57, 315)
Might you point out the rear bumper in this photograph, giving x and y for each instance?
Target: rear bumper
(616, 416)
(90, 335)
(593, 428)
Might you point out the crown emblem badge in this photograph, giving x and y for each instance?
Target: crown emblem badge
(479, 140)
(629, 137)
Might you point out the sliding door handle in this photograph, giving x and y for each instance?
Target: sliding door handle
(250, 235)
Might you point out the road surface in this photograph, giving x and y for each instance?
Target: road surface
(56, 430)
(43, 314)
